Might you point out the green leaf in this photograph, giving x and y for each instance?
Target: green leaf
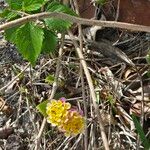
(11, 16)
(42, 108)
(58, 24)
(111, 99)
(28, 39)
(15, 4)
(50, 79)
(141, 133)
(57, 7)
(25, 5)
(49, 42)
(31, 5)
(11, 34)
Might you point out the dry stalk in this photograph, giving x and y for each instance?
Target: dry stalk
(91, 87)
(82, 78)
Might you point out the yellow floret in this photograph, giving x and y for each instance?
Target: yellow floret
(73, 124)
(56, 111)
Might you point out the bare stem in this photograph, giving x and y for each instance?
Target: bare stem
(91, 87)
(81, 21)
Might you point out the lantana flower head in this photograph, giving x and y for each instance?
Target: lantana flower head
(68, 119)
(73, 124)
(56, 111)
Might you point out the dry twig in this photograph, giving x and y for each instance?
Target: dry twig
(91, 87)
(82, 21)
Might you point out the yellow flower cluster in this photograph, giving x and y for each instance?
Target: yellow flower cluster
(68, 120)
(73, 124)
(56, 111)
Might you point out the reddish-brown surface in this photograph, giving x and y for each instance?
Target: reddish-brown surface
(87, 10)
(135, 11)
(131, 11)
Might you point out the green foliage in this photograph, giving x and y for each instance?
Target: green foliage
(31, 39)
(141, 133)
(20, 5)
(49, 42)
(57, 7)
(111, 99)
(42, 108)
(9, 15)
(15, 4)
(31, 5)
(50, 79)
(10, 34)
(58, 24)
(25, 5)
(28, 39)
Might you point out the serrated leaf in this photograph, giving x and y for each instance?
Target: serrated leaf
(57, 7)
(42, 108)
(31, 5)
(49, 42)
(26, 5)
(11, 34)
(58, 24)
(29, 39)
(15, 4)
(9, 15)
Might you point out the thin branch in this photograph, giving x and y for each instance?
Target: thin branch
(82, 78)
(117, 12)
(82, 21)
(91, 87)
